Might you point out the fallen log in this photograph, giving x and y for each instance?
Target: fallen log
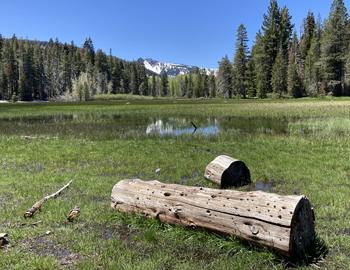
(37, 206)
(227, 172)
(283, 223)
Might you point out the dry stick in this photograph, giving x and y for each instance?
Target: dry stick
(195, 127)
(31, 211)
(31, 224)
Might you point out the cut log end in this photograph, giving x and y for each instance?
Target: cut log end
(236, 175)
(302, 235)
(227, 172)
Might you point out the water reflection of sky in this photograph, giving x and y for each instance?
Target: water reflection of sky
(111, 125)
(161, 127)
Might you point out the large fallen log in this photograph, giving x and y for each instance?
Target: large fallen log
(283, 223)
(227, 172)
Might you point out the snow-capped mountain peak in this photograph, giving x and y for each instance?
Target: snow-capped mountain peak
(170, 68)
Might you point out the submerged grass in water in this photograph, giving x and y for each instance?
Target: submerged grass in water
(98, 144)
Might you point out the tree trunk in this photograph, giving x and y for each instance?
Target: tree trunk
(283, 223)
(227, 172)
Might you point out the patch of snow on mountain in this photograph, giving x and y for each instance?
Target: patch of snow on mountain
(170, 68)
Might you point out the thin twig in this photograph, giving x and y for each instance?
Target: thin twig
(31, 211)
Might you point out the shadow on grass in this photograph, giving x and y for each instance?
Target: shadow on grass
(315, 254)
(148, 230)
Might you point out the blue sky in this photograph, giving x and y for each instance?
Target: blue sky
(197, 32)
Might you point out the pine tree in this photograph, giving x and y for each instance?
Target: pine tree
(134, 82)
(197, 82)
(294, 87)
(101, 62)
(271, 34)
(278, 81)
(190, 86)
(10, 69)
(1, 44)
(2, 86)
(29, 73)
(119, 75)
(309, 26)
(154, 86)
(251, 78)
(125, 84)
(294, 81)
(312, 63)
(89, 53)
(334, 43)
(286, 28)
(39, 74)
(183, 85)
(240, 62)
(205, 85)
(225, 77)
(212, 86)
(261, 64)
(347, 76)
(164, 83)
(21, 82)
(65, 69)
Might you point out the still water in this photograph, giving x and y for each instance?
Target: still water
(113, 125)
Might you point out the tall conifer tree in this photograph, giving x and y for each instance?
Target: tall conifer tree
(225, 77)
(334, 46)
(240, 62)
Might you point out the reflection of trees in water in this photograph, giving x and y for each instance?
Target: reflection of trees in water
(179, 126)
(254, 124)
(106, 125)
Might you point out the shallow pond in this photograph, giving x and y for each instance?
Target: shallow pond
(114, 125)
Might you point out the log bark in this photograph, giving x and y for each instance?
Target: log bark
(283, 223)
(227, 172)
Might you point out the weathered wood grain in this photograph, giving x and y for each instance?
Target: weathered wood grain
(283, 223)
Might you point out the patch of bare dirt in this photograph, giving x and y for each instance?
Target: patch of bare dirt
(121, 232)
(45, 246)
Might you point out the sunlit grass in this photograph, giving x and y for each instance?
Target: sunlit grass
(314, 163)
(326, 126)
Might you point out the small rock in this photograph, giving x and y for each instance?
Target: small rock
(3, 239)
(73, 213)
(48, 232)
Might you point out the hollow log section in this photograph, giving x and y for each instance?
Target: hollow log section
(283, 223)
(227, 172)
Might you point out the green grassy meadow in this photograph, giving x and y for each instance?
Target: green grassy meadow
(300, 146)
